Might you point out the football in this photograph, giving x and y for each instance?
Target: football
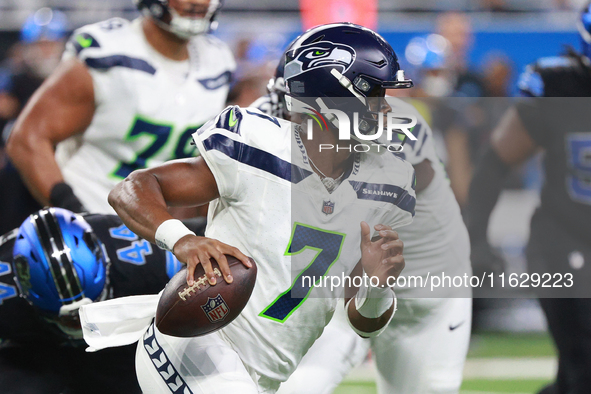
(190, 311)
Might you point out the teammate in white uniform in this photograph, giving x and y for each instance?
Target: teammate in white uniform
(127, 95)
(423, 350)
(276, 204)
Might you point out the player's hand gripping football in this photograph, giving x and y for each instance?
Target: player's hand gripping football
(193, 250)
(381, 258)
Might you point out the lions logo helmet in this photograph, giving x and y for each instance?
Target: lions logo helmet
(330, 64)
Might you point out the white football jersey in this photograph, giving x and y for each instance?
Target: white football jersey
(147, 106)
(274, 208)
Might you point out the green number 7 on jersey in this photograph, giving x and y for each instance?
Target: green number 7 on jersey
(328, 245)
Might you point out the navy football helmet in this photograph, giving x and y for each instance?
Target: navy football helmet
(342, 60)
(584, 27)
(184, 27)
(60, 265)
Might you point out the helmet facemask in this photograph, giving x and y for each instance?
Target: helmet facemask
(187, 27)
(276, 90)
(181, 26)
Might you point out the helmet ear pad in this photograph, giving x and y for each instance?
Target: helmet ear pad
(58, 261)
(156, 9)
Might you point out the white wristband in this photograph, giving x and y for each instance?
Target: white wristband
(169, 232)
(373, 302)
(371, 334)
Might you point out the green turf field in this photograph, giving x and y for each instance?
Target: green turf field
(495, 349)
(511, 345)
(468, 387)
(502, 386)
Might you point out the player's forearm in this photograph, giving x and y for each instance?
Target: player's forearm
(139, 202)
(510, 145)
(62, 107)
(35, 160)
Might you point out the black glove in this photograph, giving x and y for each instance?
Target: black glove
(63, 196)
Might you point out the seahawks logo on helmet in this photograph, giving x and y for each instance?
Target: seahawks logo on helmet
(320, 54)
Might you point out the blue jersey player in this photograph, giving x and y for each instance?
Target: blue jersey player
(557, 121)
(55, 262)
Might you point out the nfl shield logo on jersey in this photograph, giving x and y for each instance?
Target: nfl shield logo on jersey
(327, 207)
(215, 308)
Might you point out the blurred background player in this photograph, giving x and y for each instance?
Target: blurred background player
(33, 60)
(561, 226)
(430, 61)
(127, 95)
(440, 325)
(456, 28)
(41, 350)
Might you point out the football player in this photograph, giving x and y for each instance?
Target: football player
(441, 325)
(97, 258)
(127, 95)
(295, 210)
(560, 235)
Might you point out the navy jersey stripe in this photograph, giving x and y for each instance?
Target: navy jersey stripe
(387, 193)
(105, 63)
(256, 158)
(216, 82)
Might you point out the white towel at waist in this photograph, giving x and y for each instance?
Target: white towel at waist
(117, 322)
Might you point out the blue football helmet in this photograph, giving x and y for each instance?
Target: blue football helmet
(584, 27)
(170, 20)
(342, 60)
(45, 23)
(60, 265)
